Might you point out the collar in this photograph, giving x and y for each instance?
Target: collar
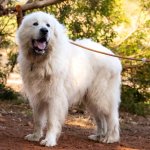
(31, 66)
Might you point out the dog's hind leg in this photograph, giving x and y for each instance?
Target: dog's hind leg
(101, 128)
(103, 102)
(39, 118)
(112, 134)
(112, 117)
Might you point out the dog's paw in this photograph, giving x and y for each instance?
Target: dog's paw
(109, 139)
(93, 137)
(48, 142)
(32, 137)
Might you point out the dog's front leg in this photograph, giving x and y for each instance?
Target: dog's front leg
(39, 122)
(57, 110)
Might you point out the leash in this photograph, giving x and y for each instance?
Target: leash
(144, 60)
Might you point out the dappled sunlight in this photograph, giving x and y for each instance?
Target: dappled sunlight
(81, 121)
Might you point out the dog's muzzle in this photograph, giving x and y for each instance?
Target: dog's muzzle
(40, 45)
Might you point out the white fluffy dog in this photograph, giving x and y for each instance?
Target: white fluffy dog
(57, 74)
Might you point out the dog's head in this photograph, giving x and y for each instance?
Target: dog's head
(38, 33)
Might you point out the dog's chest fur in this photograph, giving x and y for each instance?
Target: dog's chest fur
(36, 76)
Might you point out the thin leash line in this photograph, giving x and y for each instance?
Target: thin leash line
(112, 55)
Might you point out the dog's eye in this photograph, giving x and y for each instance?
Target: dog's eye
(35, 24)
(48, 25)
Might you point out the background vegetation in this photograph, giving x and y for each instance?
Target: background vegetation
(122, 25)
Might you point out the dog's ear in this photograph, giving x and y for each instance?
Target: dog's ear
(17, 36)
(59, 29)
(18, 32)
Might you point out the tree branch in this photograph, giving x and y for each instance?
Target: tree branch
(39, 4)
(30, 6)
(3, 3)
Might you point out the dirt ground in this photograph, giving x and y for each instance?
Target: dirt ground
(16, 122)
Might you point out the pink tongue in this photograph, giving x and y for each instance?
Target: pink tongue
(40, 45)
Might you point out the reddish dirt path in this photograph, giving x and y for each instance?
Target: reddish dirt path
(16, 122)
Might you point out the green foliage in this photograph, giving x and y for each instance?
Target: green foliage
(136, 92)
(3, 77)
(137, 46)
(7, 27)
(137, 43)
(7, 93)
(145, 4)
(134, 101)
(12, 60)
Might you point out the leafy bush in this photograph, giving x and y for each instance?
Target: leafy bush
(7, 29)
(136, 78)
(7, 93)
(133, 101)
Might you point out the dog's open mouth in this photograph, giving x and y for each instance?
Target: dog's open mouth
(39, 46)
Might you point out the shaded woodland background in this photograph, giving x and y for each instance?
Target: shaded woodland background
(121, 25)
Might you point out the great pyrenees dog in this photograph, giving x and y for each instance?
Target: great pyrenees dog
(57, 74)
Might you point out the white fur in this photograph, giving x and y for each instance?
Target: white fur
(68, 75)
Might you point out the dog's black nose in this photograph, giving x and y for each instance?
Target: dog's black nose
(43, 31)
